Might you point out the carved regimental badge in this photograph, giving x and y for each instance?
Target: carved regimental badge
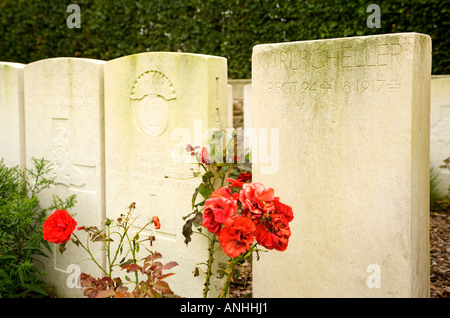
(148, 101)
(63, 170)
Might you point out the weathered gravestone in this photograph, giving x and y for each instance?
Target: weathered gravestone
(155, 104)
(64, 125)
(12, 142)
(353, 121)
(440, 128)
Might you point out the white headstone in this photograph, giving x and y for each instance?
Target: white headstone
(155, 104)
(353, 122)
(64, 124)
(12, 142)
(440, 127)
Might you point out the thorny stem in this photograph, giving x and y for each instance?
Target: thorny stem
(133, 252)
(108, 246)
(230, 270)
(210, 262)
(233, 263)
(90, 254)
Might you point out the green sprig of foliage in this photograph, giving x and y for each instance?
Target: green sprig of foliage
(21, 220)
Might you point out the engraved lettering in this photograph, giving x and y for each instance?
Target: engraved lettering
(382, 53)
(318, 59)
(395, 52)
(347, 57)
(283, 57)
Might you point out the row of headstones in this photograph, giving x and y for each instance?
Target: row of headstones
(348, 121)
(112, 132)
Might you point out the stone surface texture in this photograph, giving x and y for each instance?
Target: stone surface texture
(353, 121)
(155, 104)
(64, 125)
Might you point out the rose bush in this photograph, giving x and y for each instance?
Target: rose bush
(242, 216)
(148, 279)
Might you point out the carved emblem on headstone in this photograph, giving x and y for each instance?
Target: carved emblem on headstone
(62, 168)
(149, 95)
(440, 131)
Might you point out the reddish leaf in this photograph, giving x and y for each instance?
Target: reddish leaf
(89, 292)
(150, 293)
(166, 275)
(152, 257)
(105, 293)
(169, 265)
(132, 268)
(162, 286)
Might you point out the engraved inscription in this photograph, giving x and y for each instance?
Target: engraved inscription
(341, 57)
(360, 86)
(148, 100)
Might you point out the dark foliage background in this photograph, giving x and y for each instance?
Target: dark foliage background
(31, 30)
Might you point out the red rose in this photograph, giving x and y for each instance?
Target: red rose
(218, 211)
(156, 222)
(283, 209)
(256, 200)
(205, 156)
(236, 238)
(221, 192)
(244, 176)
(234, 183)
(274, 233)
(58, 227)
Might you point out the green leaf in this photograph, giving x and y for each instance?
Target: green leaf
(198, 219)
(7, 257)
(205, 191)
(36, 288)
(128, 262)
(20, 272)
(196, 173)
(207, 176)
(187, 230)
(62, 247)
(194, 197)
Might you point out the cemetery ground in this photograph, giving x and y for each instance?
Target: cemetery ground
(440, 252)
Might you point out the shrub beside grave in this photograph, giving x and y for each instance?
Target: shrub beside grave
(21, 219)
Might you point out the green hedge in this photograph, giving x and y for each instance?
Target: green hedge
(36, 29)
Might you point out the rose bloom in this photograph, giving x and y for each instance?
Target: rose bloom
(236, 238)
(156, 222)
(244, 176)
(205, 156)
(274, 233)
(283, 209)
(234, 183)
(58, 227)
(221, 192)
(257, 200)
(218, 211)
